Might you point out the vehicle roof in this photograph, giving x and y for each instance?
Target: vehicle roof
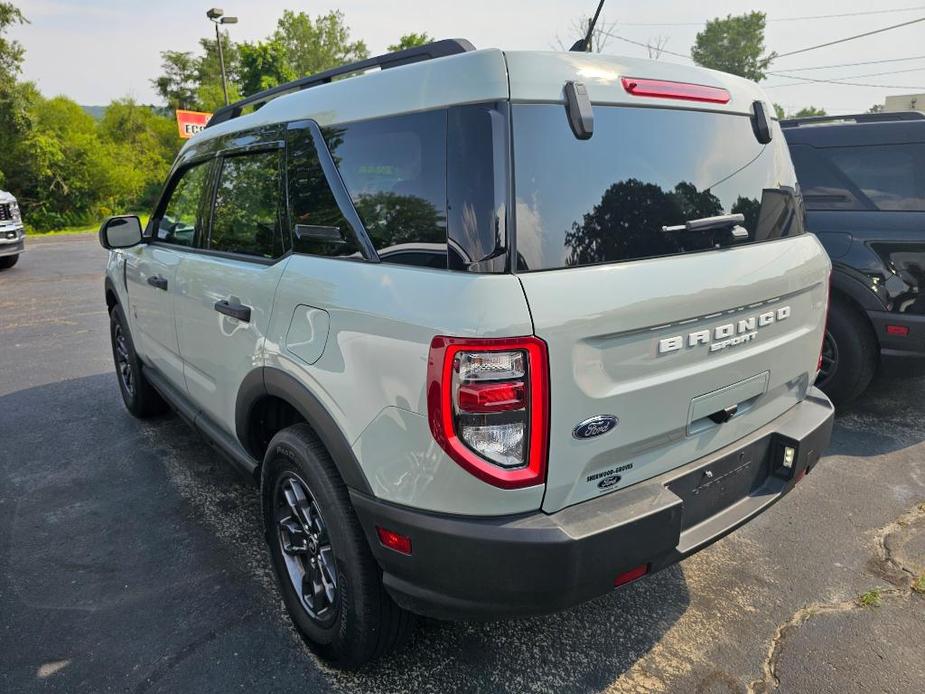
(483, 76)
(842, 134)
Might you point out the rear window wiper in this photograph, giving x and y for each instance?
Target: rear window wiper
(732, 222)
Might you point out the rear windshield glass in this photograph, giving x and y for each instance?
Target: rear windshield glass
(607, 199)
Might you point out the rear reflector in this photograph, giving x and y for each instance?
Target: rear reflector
(898, 330)
(631, 575)
(663, 89)
(392, 540)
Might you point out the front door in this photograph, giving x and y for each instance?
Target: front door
(225, 290)
(151, 270)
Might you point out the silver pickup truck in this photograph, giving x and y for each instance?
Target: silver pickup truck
(12, 235)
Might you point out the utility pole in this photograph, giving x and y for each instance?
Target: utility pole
(216, 15)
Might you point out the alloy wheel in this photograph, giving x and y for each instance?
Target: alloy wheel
(123, 361)
(829, 360)
(306, 549)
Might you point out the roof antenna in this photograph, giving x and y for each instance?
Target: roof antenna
(584, 45)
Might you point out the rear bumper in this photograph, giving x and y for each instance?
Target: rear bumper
(464, 567)
(909, 345)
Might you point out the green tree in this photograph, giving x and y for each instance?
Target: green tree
(876, 108)
(410, 41)
(779, 112)
(808, 112)
(262, 65)
(178, 83)
(12, 111)
(734, 44)
(315, 46)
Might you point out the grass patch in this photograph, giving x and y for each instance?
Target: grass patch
(918, 585)
(870, 599)
(84, 229)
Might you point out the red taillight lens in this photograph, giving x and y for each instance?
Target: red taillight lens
(480, 398)
(393, 540)
(488, 405)
(663, 89)
(825, 323)
(898, 330)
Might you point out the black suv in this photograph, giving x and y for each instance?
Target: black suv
(863, 183)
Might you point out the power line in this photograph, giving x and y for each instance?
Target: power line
(866, 62)
(847, 77)
(851, 38)
(644, 45)
(813, 80)
(781, 19)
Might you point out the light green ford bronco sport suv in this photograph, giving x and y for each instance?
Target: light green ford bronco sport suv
(494, 332)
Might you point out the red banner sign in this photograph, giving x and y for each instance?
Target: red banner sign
(191, 122)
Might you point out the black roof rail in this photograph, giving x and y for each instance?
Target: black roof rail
(437, 49)
(883, 117)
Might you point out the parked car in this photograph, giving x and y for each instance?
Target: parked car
(12, 235)
(863, 182)
(494, 332)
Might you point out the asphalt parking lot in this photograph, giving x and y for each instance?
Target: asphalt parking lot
(131, 557)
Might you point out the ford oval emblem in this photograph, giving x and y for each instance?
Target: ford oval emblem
(609, 482)
(595, 426)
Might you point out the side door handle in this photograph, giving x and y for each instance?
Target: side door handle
(158, 282)
(239, 311)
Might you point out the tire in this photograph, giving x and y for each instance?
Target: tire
(850, 354)
(139, 396)
(8, 261)
(351, 620)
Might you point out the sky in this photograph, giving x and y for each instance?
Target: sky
(97, 50)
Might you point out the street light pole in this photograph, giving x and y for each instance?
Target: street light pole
(216, 15)
(221, 61)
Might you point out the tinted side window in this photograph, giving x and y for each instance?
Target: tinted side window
(319, 228)
(395, 171)
(180, 221)
(891, 176)
(247, 214)
(824, 187)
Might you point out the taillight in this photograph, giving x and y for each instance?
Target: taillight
(664, 89)
(488, 406)
(825, 323)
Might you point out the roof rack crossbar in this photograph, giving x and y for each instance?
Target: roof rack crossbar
(882, 117)
(430, 51)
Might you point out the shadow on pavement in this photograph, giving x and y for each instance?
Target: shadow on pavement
(132, 559)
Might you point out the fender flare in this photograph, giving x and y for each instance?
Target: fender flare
(267, 380)
(846, 283)
(110, 287)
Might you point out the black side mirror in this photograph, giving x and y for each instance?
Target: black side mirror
(120, 232)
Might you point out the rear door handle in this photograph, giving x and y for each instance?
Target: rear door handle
(158, 282)
(239, 311)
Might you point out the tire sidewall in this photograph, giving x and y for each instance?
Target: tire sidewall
(288, 456)
(117, 317)
(856, 350)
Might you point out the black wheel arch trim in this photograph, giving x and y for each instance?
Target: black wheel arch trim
(110, 287)
(855, 289)
(267, 380)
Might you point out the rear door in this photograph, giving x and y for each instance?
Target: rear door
(225, 290)
(150, 271)
(690, 338)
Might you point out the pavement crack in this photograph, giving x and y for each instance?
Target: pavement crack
(887, 564)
